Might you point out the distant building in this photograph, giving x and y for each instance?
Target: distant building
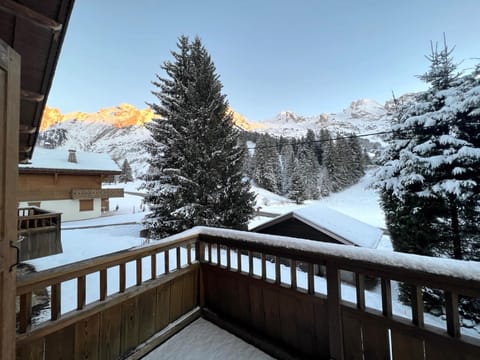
(68, 182)
(322, 224)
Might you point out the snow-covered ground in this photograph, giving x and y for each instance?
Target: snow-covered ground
(202, 340)
(83, 243)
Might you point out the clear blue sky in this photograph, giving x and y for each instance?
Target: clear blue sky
(308, 56)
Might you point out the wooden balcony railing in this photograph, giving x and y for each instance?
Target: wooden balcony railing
(39, 233)
(239, 280)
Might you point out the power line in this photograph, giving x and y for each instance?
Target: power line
(324, 140)
(353, 136)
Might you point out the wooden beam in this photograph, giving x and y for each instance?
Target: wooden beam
(31, 96)
(24, 129)
(28, 14)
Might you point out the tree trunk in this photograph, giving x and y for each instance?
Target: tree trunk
(457, 242)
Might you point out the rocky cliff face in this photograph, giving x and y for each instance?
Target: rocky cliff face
(120, 131)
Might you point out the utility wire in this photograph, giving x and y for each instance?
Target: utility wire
(353, 136)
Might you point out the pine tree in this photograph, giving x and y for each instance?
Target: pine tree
(195, 156)
(431, 170)
(297, 187)
(126, 174)
(267, 169)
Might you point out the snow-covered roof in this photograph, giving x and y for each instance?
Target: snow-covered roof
(339, 226)
(56, 159)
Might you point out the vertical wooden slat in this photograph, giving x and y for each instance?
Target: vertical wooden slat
(166, 254)
(311, 283)
(209, 247)
(138, 271)
(334, 311)
(360, 289)
(293, 274)
(386, 297)
(122, 278)
(277, 271)
(189, 254)
(250, 263)
(103, 284)
(153, 265)
(56, 300)
(200, 251)
(81, 292)
(451, 309)
(25, 315)
(239, 260)
(228, 258)
(417, 306)
(264, 266)
(179, 258)
(219, 257)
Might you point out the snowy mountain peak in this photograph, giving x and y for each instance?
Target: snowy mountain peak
(364, 108)
(288, 117)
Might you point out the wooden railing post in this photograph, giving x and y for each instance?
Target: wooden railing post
(451, 309)
(334, 312)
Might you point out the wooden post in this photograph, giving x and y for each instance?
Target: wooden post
(417, 306)
(278, 279)
(81, 292)
(179, 258)
(386, 297)
(239, 260)
(250, 263)
(189, 254)
(264, 267)
(138, 271)
(122, 278)
(103, 284)
(293, 274)
(56, 299)
(311, 282)
(334, 313)
(453, 320)
(360, 288)
(228, 258)
(167, 261)
(25, 315)
(153, 265)
(9, 125)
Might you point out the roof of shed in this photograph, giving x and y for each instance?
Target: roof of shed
(339, 226)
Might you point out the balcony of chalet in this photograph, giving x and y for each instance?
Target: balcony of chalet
(143, 296)
(39, 233)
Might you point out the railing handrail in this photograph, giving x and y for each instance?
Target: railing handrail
(38, 212)
(454, 275)
(32, 281)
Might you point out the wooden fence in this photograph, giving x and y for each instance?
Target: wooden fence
(118, 320)
(229, 280)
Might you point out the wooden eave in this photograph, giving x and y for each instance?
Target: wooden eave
(36, 30)
(22, 170)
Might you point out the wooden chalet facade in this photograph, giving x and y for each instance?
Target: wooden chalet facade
(68, 182)
(200, 272)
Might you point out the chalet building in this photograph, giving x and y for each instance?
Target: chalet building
(200, 272)
(67, 182)
(322, 224)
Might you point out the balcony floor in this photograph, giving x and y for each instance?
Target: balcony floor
(204, 341)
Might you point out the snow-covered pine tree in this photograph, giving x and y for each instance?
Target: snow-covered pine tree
(430, 180)
(297, 186)
(267, 169)
(126, 174)
(195, 157)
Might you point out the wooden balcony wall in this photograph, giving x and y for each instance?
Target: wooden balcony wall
(39, 233)
(217, 280)
(84, 194)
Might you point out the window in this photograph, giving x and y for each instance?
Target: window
(86, 205)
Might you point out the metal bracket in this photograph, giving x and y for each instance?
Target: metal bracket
(12, 245)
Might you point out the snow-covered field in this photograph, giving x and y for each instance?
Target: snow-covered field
(83, 243)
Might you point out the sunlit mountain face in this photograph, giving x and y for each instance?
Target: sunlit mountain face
(123, 115)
